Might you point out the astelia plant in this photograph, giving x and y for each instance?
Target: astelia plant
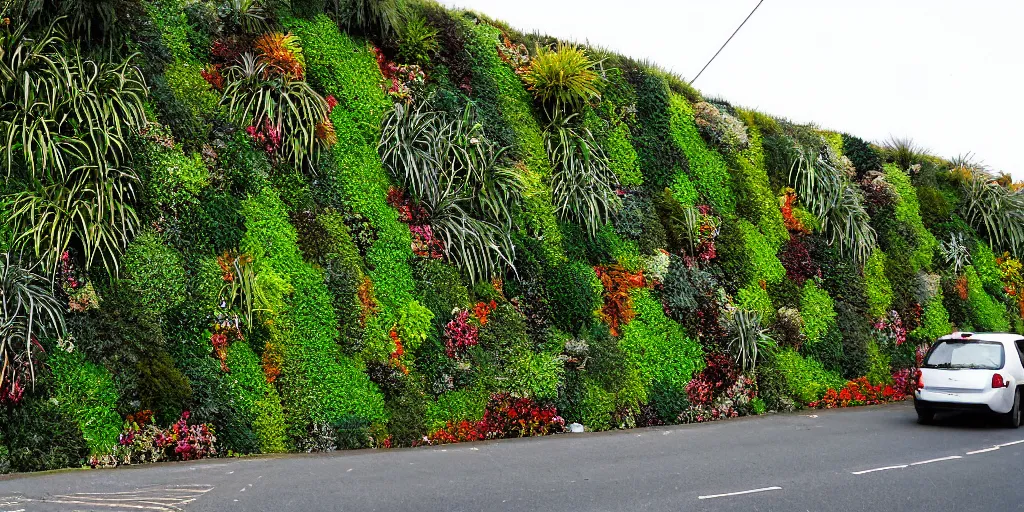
(748, 340)
(460, 180)
(28, 311)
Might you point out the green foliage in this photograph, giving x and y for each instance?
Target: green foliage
(746, 257)
(855, 329)
(258, 401)
(817, 311)
(984, 262)
(878, 365)
(66, 124)
(582, 184)
(418, 40)
(864, 158)
(85, 392)
(319, 385)
(610, 122)
(755, 298)
(754, 197)
(452, 171)
(806, 379)
(908, 211)
(39, 435)
(986, 313)
(257, 96)
(993, 210)
(563, 79)
(28, 310)
(661, 160)
(748, 340)
(373, 18)
(934, 322)
(189, 87)
(414, 323)
(822, 185)
(877, 287)
(346, 69)
(154, 274)
(658, 347)
(574, 294)
(707, 167)
(455, 406)
(595, 407)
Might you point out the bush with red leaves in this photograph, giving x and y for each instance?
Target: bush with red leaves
(506, 416)
(718, 374)
(860, 392)
(796, 258)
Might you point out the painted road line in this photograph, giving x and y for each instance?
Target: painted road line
(1011, 443)
(901, 466)
(986, 450)
(940, 459)
(763, 489)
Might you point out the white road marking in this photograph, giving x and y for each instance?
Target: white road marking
(1011, 443)
(940, 459)
(763, 489)
(901, 466)
(986, 450)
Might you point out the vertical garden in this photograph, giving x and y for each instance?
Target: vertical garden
(255, 226)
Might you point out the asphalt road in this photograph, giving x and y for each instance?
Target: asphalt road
(870, 459)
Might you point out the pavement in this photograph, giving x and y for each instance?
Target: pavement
(870, 458)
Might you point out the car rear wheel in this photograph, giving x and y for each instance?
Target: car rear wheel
(1014, 416)
(925, 416)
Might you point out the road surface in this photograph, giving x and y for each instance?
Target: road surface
(870, 459)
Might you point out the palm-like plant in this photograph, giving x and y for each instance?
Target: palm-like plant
(248, 15)
(258, 95)
(903, 151)
(994, 211)
(582, 184)
(28, 310)
(563, 78)
(66, 120)
(748, 340)
(377, 18)
(827, 192)
(457, 176)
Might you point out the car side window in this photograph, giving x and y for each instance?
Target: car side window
(1020, 349)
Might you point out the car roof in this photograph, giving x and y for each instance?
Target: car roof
(1001, 337)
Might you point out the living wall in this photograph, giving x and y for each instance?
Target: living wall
(257, 226)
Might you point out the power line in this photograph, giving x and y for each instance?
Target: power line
(726, 42)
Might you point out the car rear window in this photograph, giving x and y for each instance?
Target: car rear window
(980, 355)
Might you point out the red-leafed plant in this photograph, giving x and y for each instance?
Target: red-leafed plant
(718, 374)
(792, 223)
(796, 259)
(506, 416)
(861, 392)
(459, 335)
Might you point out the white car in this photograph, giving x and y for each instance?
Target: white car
(967, 371)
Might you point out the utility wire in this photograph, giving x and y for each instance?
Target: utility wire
(726, 42)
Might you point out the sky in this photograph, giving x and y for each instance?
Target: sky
(947, 73)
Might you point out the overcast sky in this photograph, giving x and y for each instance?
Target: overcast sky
(948, 73)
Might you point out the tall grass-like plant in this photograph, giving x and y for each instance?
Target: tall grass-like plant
(903, 151)
(562, 79)
(259, 96)
(65, 120)
(582, 184)
(457, 175)
(828, 193)
(28, 310)
(748, 340)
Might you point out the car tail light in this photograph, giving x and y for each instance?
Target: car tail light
(918, 377)
(998, 382)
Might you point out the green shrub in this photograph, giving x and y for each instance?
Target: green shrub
(658, 347)
(986, 313)
(755, 298)
(86, 392)
(908, 211)
(154, 274)
(610, 122)
(984, 262)
(346, 68)
(861, 154)
(660, 159)
(40, 435)
(595, 407)
(879, 371)
(455, 406)
(934, 322)
(707, 167)
(746, 257)
(574, 294)
(257, 400)
(754, 197)
(318, 385)
(855, 328)
(806, 379)
(877, 288)
(818, 312)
